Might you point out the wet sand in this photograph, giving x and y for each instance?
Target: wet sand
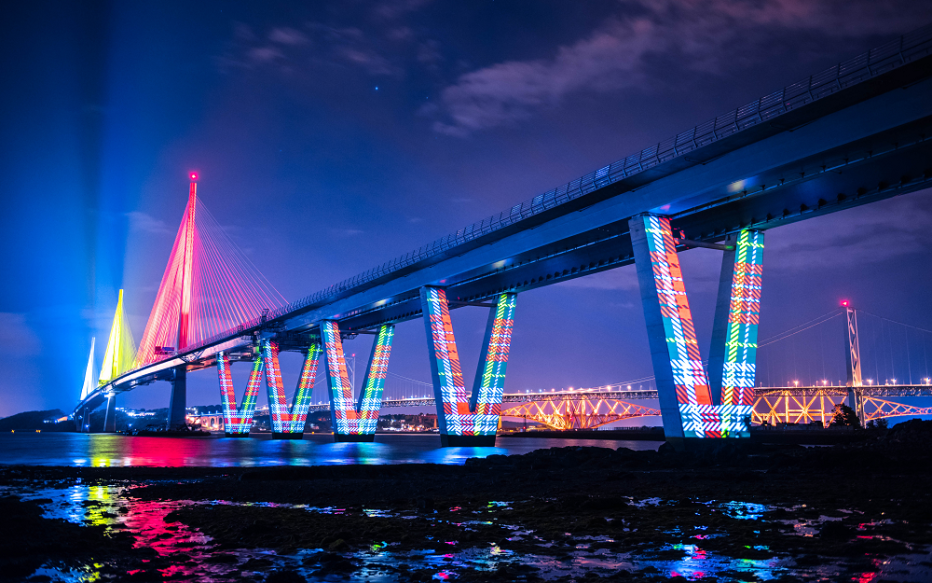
(733, 512)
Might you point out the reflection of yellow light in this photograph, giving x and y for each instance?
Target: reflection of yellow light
(38, 431)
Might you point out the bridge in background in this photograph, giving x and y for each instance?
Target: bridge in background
(851, 135)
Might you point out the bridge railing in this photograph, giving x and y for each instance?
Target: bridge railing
(903, 50)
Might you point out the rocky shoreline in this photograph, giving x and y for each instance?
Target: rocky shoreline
(849, 509)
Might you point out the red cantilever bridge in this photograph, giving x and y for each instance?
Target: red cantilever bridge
(853, 134)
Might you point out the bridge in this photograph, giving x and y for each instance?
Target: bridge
(853, 134)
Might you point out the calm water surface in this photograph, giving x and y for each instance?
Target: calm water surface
(81, 449)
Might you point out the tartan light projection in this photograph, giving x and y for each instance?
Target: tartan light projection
(699, 417)
(455, 415)
(370, 399)
(489, 384)
(343, 412)
(289, 420)
(237, 420)
(743, 318)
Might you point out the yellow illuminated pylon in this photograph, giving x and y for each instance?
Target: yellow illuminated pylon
(121, 350)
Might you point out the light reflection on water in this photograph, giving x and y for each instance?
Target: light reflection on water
(102, 450)
(191, 556)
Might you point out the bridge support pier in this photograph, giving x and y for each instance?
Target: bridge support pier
(178, 401)
(110, 415)
(686, 401)
(79, 420)
(238, 420)
(464, 420)
(370, 398)
(288, 421)
(344, 418)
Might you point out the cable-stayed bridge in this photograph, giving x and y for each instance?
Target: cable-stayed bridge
(853, 134)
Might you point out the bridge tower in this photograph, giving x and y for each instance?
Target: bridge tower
(176, 407)
(853, 360)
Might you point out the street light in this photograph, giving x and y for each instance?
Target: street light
(796, 383)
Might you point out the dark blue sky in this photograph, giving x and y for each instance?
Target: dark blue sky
(331, 137)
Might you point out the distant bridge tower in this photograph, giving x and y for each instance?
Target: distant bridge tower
(853, 360)
(176, 407)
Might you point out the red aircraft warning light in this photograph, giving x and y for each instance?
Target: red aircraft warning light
(194, 176)
(844, 303)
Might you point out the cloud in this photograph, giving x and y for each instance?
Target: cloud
(347, 232)
(392, 9)
(702, 35)
(141, 222)
(288, 36)
(312, 45)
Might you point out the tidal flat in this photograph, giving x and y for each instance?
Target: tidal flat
(730, 512)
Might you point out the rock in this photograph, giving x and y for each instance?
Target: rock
(666, 448)
(285, 576)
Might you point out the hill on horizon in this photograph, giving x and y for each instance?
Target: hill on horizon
(32, 420)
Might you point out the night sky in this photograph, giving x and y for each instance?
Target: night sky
(333, 136)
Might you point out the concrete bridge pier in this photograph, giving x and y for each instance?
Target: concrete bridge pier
(79, 420)
(467, 420)
(110, 415)
(178, 401)
(693, 409)
(344, 417)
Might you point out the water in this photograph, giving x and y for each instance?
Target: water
(189, 555)
(106, 450)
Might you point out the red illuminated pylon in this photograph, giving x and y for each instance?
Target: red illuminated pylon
(187, 263)
(209, 286)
